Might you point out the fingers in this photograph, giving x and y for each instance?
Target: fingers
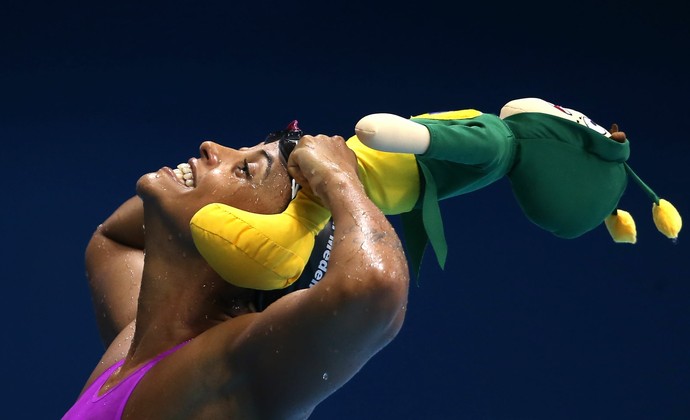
(317, 152)
(318, 159)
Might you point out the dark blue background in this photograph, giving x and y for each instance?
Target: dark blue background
(520, 325)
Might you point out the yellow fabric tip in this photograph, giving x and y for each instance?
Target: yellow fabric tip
(462, 114)
(621, 227)
(667, 219)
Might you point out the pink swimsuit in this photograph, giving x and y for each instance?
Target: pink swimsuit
(110, 405)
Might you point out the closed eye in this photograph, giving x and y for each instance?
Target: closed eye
(245, 168)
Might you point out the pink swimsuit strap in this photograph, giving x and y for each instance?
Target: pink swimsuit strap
(112, 403)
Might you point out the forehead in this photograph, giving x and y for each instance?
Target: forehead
(261, 145)
(270, 150)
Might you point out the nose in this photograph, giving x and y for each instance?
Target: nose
(210, 151)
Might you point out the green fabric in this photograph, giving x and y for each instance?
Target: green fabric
(645, 188)
(567, 177)
(415, 238)
(463, 156)
(466, 155)
(431, 216)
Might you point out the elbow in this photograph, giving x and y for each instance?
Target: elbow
(392, 300)
(370, 286)
(381, 298)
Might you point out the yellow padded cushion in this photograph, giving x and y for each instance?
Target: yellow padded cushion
(258, 251)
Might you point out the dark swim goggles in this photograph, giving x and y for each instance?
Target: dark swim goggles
(287, 140)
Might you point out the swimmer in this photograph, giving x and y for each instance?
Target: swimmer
(184, 343)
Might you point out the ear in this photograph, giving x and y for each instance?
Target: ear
(617, 135)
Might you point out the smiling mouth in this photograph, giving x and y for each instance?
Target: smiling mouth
(184, 174)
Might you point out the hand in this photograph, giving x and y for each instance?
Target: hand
(323, 165)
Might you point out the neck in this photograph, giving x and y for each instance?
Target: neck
(180, 297)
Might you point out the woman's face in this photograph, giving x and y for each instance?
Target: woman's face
(251, 178)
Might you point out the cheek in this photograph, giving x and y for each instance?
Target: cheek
(268, 197)
(267, 200)
(271, 197)
(280, 193)
(247, 197)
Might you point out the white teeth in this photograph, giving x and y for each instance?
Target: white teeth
(183, 172)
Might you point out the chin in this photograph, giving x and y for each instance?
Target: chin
(144, 184)
(156, 185)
